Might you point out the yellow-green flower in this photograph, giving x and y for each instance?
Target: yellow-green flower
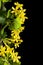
(2, 51)
(9, 50)
(15, 57)
(18, 43)
(15, 11)
(18, 5)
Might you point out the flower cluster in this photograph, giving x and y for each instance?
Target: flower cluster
(20, 12)
(15, 26)
(9, 51)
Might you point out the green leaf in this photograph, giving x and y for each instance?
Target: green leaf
(6, 0)
(0, 3)
(2, 20)
(4, 9)
(2, 31)
(17, 23)
(16, 63)
(8, 13)
(1, 61)
(5, 63)
(2, 14)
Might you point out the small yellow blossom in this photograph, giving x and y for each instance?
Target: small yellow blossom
(18, 43)
(2, 51)
(15, 11)
(18, 5)
(15, 57)
(9, 50)
(22, 16)
(21, 29)
(14, 32)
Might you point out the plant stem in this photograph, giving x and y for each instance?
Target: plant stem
(2, 31)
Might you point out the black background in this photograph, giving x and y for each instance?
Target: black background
(25, 49)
